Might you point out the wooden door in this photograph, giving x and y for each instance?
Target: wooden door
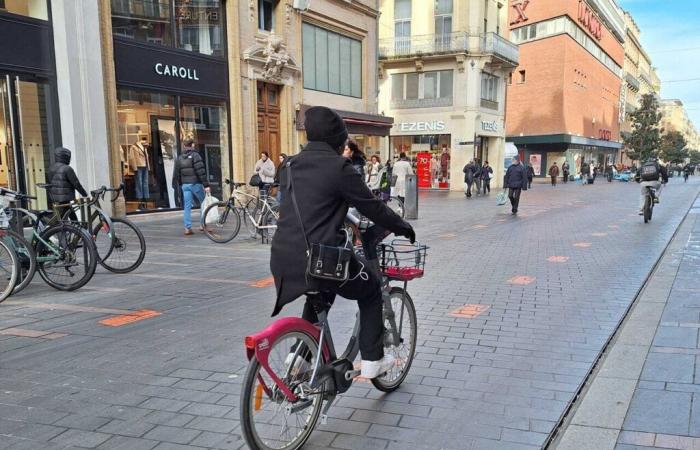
(269, 119)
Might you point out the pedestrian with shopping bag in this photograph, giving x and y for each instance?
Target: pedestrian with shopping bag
(191, 175)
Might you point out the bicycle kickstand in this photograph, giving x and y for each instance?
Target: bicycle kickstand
(326, 407)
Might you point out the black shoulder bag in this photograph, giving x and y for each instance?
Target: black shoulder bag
(324, 262)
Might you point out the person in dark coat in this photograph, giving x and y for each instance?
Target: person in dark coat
(486, 173)
(191, 175)
(516, 182)
(565, 171)
(62, 179)
(324, 185)
(469, 170)
(530, 175)
(477, 176)
(283, 159)
(63, 182)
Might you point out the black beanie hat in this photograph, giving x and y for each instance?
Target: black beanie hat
(325, 125)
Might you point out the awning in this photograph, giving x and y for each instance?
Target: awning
(563, 139)
(357, 123)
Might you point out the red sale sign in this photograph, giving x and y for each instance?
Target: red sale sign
(423, 170)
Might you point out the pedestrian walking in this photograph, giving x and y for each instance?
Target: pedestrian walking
(282, 160)
(554, 173)
(530, 171)
(63, 182)
(402, 167)
(469, 171)
(356, 156)
(265, 169)
(477, 176)
(516, 181)
(372, 170)
(565, 171)
(486, 172)
(584, 173)
(191, 175)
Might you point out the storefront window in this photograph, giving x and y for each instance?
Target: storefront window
(7, 162)
(206, 123)
(429, 150)
(143, 20)
(37, 9)
(199, 24)
(148, 148)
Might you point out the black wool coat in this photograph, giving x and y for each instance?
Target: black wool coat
(325, 185)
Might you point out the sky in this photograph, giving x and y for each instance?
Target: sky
(670, 33)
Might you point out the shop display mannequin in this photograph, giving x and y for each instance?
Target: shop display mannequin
(139, 165)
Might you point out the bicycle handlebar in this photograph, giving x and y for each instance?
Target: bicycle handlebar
(19, 195)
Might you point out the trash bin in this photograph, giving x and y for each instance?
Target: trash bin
(410, 205)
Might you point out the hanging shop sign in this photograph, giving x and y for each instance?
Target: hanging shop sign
(147, 66)
(590, 20)
(433, 125)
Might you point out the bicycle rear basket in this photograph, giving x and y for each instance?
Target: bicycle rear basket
(401, 260)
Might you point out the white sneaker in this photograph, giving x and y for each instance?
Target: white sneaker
(300, 364)
(373, 369)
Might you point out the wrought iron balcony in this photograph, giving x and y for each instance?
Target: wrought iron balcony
(632, 81)
(449, 43)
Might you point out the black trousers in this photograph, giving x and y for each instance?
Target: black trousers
(514, 197)
(469, 188)
(554, 181)
(487, 185)
(368, 294)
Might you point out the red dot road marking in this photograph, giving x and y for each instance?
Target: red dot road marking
(558, 259)
(125, 319)
(469, 311)
(262, 283)
(521, 280)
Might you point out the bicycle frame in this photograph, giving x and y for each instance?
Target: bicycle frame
(36, 234)
(265, 207)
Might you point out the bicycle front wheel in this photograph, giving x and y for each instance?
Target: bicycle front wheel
(251, 217)
(9, 270)
(399, 320)
(25, 256)
(129, 247)
(269, 221)
(66, 257)
(396, 205)
(226, 227)
(268, 419)
(648, 204)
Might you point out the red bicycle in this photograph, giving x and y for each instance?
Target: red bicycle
(293, 368)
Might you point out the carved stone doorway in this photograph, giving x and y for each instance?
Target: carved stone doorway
(268, 104)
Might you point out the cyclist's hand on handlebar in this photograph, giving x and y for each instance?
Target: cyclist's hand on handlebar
(409, 234)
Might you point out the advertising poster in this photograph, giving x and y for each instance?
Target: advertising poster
(423, 170)
(536, 163)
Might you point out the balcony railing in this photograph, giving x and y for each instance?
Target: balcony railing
(632, 81)
(458, 42)
(411, 103)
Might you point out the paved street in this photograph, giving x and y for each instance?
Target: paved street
(512, 314)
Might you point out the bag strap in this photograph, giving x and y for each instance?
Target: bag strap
(290, 187)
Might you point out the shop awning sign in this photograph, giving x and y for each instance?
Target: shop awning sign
(432, 125)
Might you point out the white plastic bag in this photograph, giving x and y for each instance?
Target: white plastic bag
(213, 215)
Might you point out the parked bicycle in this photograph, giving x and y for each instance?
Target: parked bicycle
(16, 240)
(121, 247)
(293, 366)
(66, 256)
(260, 215)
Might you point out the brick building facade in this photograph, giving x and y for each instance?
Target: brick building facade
(564, 99)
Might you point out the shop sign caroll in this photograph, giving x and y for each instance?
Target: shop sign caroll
(168, 70)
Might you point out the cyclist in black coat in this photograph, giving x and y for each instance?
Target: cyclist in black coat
(62, 178)
(325, 184)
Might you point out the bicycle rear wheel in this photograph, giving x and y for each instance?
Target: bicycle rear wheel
(270, 220)
(25, 256)
(66, 257)
(129, 247)
(267, 420)
(9, 270)
(396, 205)
(402, 315)
(226, 227)
(648, 204)
(252, 217)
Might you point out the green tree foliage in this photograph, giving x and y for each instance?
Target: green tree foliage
(673, 148)
(694, 156)
(645, 138)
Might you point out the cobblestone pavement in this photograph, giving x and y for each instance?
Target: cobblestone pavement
(512, 314)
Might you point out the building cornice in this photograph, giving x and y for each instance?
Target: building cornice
(358, 6)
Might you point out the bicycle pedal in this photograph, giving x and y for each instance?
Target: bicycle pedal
(350, 374)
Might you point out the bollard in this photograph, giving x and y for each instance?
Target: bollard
(410, 205)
